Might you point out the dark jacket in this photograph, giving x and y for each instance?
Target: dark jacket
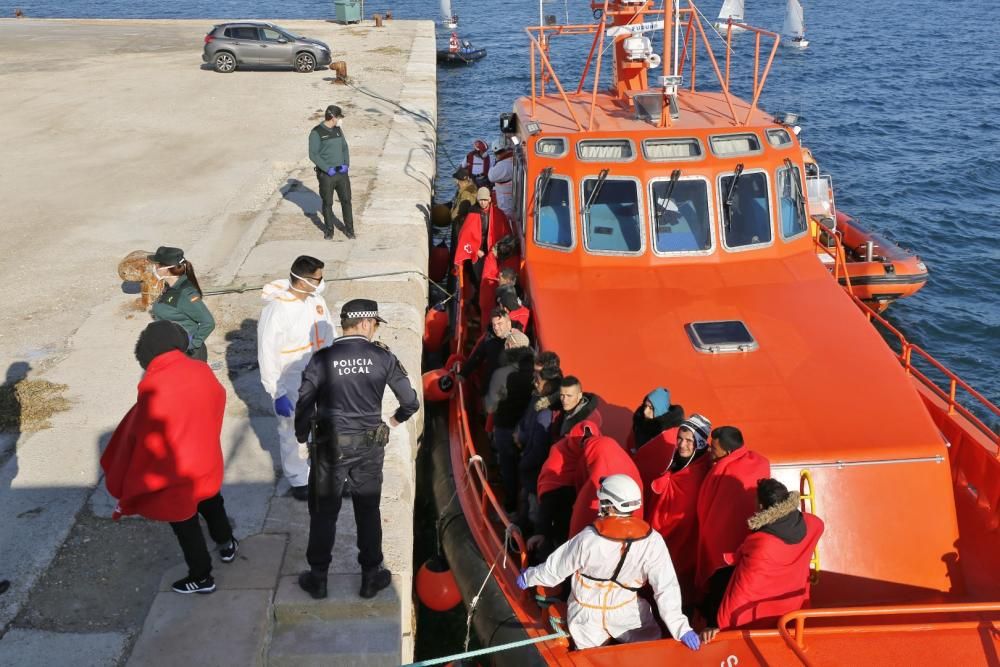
(515, 393)
(585, 411)
(328, 147)
(534, 437)
(644, 430)
(183, 305)
(486, 353)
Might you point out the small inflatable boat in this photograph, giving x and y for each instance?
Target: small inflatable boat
(464, 56)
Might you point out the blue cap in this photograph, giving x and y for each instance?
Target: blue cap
(659, 398)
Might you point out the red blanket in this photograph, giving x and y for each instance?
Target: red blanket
(165, 456)
(672, 511)
(728, 497)
(602, 456)
(653, 457)
(771, 578)
(470, 237)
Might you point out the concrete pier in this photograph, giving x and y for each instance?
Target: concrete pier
(115, 138)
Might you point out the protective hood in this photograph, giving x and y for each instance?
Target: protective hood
(277, 290)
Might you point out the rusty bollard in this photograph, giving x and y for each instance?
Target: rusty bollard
(378, 20)
(136, 268)
(339, 71)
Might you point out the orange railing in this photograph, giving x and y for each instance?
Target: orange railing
(542, 71)
(797, 642)
(821, 237)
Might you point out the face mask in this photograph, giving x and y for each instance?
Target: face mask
(340, 123)
(156, 271)
(316, 289)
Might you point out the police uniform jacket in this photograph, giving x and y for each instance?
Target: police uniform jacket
(183, 305)
(346, 381)
(328, 147)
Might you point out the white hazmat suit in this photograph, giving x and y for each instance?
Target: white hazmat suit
(601, 610)
(501, 175)
(290, 331)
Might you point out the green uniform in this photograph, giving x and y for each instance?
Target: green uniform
(183, 305)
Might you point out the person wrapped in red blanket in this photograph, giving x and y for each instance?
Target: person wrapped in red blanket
(164, 461)
(654, 433)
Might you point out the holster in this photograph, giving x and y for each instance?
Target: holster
(379, 436)
(324, 455)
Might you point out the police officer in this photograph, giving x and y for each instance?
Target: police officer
(181, 302)
(328, 150)
(340, 402)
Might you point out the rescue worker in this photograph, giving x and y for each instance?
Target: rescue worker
(654, 433)
(477, 161)
(672, 499)
(577, 406)
(610, 561)
(329, 151)
(726, 499)
(463, 202)
(453, 43)
(501, 174)
(342, 387)
(294, 324)
(771, 568)
(181, 302)
(480, 232)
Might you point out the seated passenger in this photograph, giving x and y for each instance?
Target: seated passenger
(506, 400)
(612, 559)
(727, 498)
(548, 360)
(654, 433)
(487, 351)
(577, 406)
(771, 573)
(534, 438)
(602, 456)
(520, 315)
(480, 232)
(672, 499)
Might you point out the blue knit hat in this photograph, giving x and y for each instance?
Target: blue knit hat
(659, 398)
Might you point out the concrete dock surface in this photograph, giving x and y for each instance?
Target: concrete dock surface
(115, 137)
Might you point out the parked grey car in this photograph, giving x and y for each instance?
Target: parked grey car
(230, 45)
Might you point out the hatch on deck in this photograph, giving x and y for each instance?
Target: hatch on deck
(721, 336)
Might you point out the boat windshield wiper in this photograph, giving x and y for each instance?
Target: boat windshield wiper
(727, 204)
(603, 176)
(675, 176)
(543, 185)
(800, 200)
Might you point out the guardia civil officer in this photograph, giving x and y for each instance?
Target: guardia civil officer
(340, 401)
(328, 150)
(181, 302)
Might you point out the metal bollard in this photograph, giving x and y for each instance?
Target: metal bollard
(136, 268)
(339, 68)
(378, 20)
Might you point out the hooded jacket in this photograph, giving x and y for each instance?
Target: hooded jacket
(290, 331)
(470, 237)
(586, 410)
(727, 498)
(165, 456)
(672, 511)
(652, 441)
(771, 575)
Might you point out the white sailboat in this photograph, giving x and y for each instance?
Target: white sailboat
(731, 9)
(449, 19)
(793, 33)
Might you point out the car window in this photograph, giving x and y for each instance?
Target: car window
(243, 32)
(272, 35)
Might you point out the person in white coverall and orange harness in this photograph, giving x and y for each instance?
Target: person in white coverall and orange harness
(295, 324)
(610, 561)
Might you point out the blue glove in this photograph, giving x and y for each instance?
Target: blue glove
(331, 171)
(521, 582)
(342, 169)
(690, 639)
(283, 406)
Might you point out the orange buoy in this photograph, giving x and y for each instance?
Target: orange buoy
(436, 586)
(435, 328)
(437, 264)
(438, 385)
(456, 358)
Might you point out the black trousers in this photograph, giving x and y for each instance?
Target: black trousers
(199, 353)
(341, 183)
(192, 541)
(360, 471)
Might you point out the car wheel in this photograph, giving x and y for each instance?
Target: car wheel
(224, 62)
(305, 63)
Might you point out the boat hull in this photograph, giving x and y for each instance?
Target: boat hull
(452, 59)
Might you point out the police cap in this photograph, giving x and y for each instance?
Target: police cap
(167, 256)
(333, 111)
(356, 309)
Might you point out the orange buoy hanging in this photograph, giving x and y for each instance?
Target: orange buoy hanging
(435, 328)
(438, 263)
(436, 585)
(438, 385)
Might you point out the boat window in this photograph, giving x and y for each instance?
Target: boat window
(605, 150)
(791, 202)
(550, 147)
(735, 144)
(819, 191)
(680, 215)
(649, 106)
(656, 150)
(554, 222)
(612, 222)
(746, 216)
(721, 336)
(779, 138)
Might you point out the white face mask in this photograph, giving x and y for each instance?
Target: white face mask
(316, 289)
(156, 271)
(340, 123)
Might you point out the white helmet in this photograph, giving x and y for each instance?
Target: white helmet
(620, 492)
(498, 145)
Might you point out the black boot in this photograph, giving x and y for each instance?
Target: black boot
(314, 586)
(349, 232)
(374, 580)
(327, 232)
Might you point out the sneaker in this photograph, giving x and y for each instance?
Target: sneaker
(191, 585)
(228, 552)
(372, 581)
(314, 586)
(300, 492)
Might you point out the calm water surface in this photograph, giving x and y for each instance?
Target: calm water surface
(899, 103)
